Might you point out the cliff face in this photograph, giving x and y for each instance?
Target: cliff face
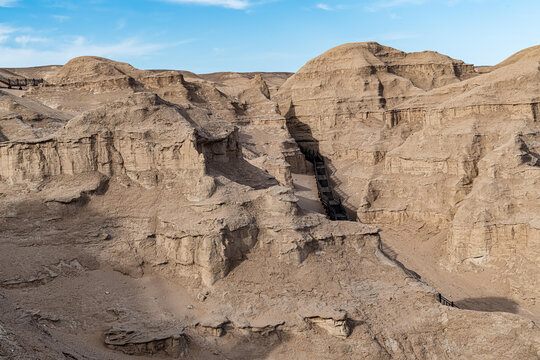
(142, 137)
(422, 137)
(189, 147)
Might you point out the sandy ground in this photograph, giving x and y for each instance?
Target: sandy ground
(15, 92)
(305, 189)
(418, 249)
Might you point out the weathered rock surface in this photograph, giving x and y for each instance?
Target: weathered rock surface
(159, 216)
(21, 337)
(142, 137)
(25, 119)
(145, 342)
(424, 138)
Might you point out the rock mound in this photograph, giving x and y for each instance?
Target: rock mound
(372, 77)
(100, 75)
(91, 68)
(529, 54)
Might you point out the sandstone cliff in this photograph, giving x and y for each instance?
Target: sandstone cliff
(422, 137)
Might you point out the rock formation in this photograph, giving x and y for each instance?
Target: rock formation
(424, 138)
(162, 213)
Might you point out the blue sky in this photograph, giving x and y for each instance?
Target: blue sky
(257, 35)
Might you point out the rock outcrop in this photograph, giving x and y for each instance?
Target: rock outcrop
(142, 137)
(25, 119)
(424, 138)
(145, 342)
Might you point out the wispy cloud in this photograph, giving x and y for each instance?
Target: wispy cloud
(8, 3)
(334, 7)
(231, 4)
(397, 35)
(5, 31)
(17, 56)
(20, 36)
(60, 18)
(324, 7)
(387, 4)
(26, 39)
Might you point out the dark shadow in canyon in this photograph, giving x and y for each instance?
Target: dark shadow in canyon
(392, 255)
(489, 304)
(242, 172)
(303, 135)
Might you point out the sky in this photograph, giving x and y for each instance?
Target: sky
(257, 35)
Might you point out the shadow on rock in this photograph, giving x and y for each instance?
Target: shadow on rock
(242, 172)
(303, 135)
(491, 304)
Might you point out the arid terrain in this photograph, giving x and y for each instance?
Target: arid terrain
(165, 214)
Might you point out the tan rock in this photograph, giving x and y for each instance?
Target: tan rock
(162, 205)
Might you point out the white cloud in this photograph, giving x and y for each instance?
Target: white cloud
(231, 4)
(79, 41)
(5, 30)
(60, 18)
(8, 3)
(25, 39)
(387, 4)
(324, 7)
(79, 46)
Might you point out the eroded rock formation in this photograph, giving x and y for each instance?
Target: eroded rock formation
(159, 211)
(424, 138)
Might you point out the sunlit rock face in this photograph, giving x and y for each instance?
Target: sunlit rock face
(422, 137)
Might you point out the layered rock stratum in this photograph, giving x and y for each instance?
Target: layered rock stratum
(422, 138)
(157, 213)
